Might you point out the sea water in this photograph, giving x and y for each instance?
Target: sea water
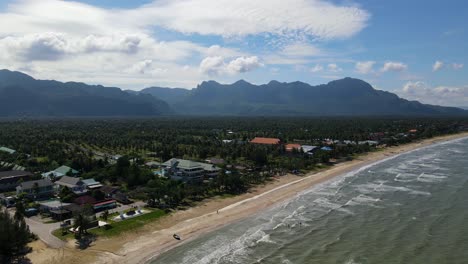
(412, 208)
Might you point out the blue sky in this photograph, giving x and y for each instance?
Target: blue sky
(416, 49)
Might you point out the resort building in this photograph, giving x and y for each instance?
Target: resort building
(266, 141)
(36, 189)
(187, 170)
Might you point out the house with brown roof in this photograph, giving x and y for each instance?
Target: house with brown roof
(291, 147)
(265, 141)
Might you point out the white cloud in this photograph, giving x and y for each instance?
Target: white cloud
(244, 64)
(394, 66)
(457, 66)
(333, 67)
(217, 65)
(317, 68)
(52, 46)
(437, 66)
(147, 67)
(440, 95)
(301, 50)
(364, 67)
(316, 18)
(228, 18)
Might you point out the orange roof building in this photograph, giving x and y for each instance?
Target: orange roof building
(291, 147)
(265, 141)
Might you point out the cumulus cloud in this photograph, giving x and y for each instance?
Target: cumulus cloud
(333, 67)
(146, 67)
(317, 68)
(217, 65)
(437, 66)
(457, 66)
(364, 67)
(440, 95)
(394, 66)
(52, 46)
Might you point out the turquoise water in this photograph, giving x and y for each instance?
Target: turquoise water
(409, 209)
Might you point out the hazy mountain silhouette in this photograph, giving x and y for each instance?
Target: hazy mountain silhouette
(22, 95)
(347, 96)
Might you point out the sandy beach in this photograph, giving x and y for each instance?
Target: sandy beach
(141, 245)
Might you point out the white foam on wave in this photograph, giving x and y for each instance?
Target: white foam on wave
(379, 186)
(362, 199)
(430, 178)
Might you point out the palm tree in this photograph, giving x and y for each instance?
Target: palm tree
(81, 223)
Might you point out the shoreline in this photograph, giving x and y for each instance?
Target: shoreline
(150, 241)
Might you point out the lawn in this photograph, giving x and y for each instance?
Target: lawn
(119, 227)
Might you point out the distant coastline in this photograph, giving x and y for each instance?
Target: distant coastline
(146, 244)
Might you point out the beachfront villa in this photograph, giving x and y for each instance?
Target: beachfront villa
(187, 170)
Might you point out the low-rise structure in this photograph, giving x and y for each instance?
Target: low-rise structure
(36, 189)
(92, 184)
(292, 147)
(76, 185)
(7, 150)
(10, 179)
(265, 141)
(59, 172)
(187, 170)
(309, 150)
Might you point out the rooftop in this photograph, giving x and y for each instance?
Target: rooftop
(68, 181)
(267, 141)
(291, 147)
(14, 173)
(40, 183)
(9, 150)
(65, 169)
(189, 164)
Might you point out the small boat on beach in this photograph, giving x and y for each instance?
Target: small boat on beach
(176, 236)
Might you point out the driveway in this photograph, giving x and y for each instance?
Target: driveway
(44, 232)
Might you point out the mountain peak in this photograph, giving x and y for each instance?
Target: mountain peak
(241, 82)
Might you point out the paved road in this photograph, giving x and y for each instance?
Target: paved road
(44, 232)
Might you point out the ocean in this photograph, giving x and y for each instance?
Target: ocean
(412, 208)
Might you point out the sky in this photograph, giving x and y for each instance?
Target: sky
(416, 48)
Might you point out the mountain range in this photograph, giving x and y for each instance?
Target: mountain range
(22, 95)
(342, 97)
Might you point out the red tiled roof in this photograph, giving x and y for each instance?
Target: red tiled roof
(290, 147)
(86, 199)
(268, 141)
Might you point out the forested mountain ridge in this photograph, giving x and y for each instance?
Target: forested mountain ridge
(22, 95)
(345, 97)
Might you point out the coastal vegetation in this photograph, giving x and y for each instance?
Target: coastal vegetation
(115, 151)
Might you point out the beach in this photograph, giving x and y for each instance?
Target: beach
(153, 239)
